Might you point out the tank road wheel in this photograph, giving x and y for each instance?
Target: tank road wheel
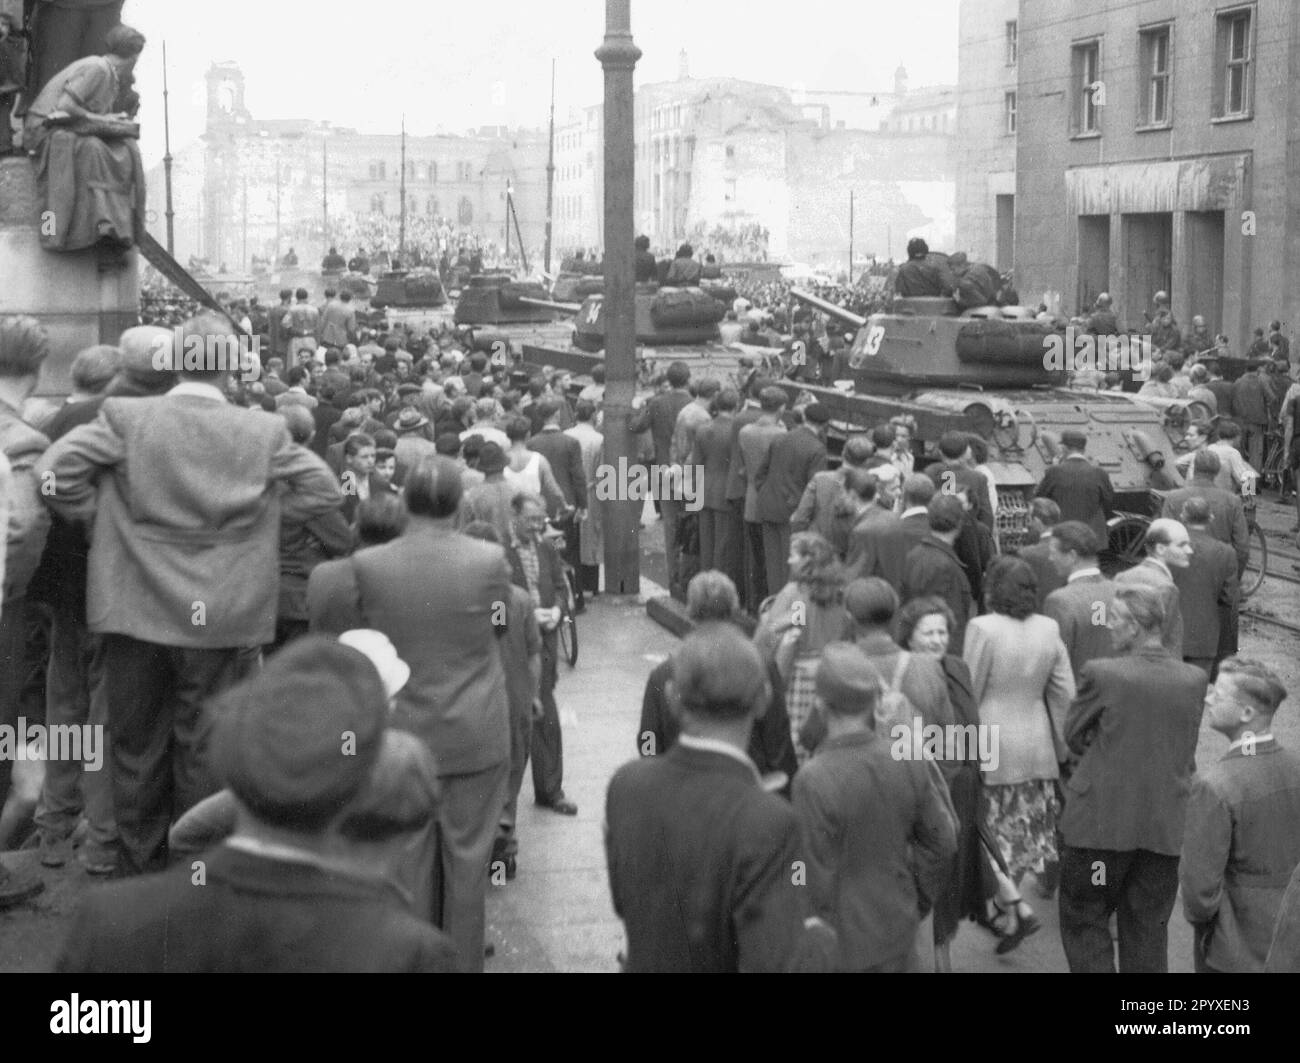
(1253, 578)
(1123, 549)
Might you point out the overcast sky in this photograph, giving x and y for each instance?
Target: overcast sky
(452, 66)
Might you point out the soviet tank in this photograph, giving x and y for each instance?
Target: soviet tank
(986, 371)
(672, 324)
(402, 288)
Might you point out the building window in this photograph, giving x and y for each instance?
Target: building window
(377, 203)
(1013, 38)
(1234, 53)
(729, 190)
(731, 151)
(1155, 59)
(433, 172)
(1086, 66)
(431, 207)
(465, 212)
(1009, 110)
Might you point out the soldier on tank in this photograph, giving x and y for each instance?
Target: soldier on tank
(1102, 321)
(977, 283)
(918, 276)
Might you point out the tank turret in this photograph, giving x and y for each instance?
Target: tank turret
(400, 288)
(664, 317)
(498, 299)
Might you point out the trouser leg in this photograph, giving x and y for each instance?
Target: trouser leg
(776, 554)
(1145, 904)
(467, 818)
(67, 704)
(521, 735)
(13, 654)
(672, 514)
(1086, 901)
(547, 740)
(756, 577)
(708, 539)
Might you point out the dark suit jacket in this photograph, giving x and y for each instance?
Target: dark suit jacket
(254, 915)
(712, 451)
(1242, 843)
(878, 546)
(1082, 490)
(1207, 591)
(964, 476)
(877, 833)
(791, 462)
(565, 455)
(735, 467)
(659, 414)
(933, 568)
(700, 865)
(352, 500)
(1227, 516)
(1035, 555)
(435, 594)
(1134, 724)
(1081, 610)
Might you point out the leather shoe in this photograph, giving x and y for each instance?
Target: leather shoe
(563, 806)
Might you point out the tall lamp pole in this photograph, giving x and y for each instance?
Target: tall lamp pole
(167, 160)
(550, 174)
(401, 239)
(325, 187)
(618, 56)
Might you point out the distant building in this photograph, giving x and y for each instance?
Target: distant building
(260, 186)
(1151, 150)
(721, 155)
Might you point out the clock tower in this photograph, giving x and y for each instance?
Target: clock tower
(226, 94)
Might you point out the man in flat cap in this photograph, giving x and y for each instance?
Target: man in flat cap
(878, 831)
(700, 856)
(298, 745)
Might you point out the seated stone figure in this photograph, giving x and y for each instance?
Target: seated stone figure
(88, 166)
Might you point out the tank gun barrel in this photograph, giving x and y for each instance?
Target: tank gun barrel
(818, 303)
(550, 304)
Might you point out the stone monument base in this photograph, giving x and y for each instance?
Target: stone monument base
(81, 297)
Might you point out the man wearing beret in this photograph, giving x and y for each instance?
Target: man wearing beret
(297, 745)
(185, 493)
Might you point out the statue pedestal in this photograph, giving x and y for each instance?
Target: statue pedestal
(78, 304)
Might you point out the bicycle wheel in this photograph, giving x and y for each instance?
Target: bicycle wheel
(568, 630)
(1124, 547)
(1256, 568)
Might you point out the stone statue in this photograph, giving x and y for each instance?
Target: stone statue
(88, 167)
(63, 31)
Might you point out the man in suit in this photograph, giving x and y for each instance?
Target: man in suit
(659, 415)
(1134, 725)
(737, 488)
(1168, 547)
(1227, 514)
(932, 566)
(1082, 490)
(435, 593)
(1044, 515)
(727, 904)
(1081, 607)
(186, 494)
(791, 463)
(358, 480)
(821, 508)
(282, 893)
(535, 567)
(24, 347)
(1208, 588)
(720, 529)
(754, 442)
(876, 544)
(878, 831)
(955, 470)
(1250, 402)
(565, 455)
(1243, 825)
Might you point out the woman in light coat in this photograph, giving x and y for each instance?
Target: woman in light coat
(1023, 685)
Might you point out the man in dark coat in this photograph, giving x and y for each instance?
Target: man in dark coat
(1134, 725)
(791, 463)
(565, 456)
(535, 567)
(720, 526)
(1208, 588)
(1242, 840)
(1227, 521)
(1081, 606)
(932, 566)
(1250, 401)
(918, 276)
(659, 415)
(727, 904)
(1168, 547)
(276, 896)
(1082, 490)
(954, 471)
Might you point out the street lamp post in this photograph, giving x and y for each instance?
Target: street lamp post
(618, 56)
